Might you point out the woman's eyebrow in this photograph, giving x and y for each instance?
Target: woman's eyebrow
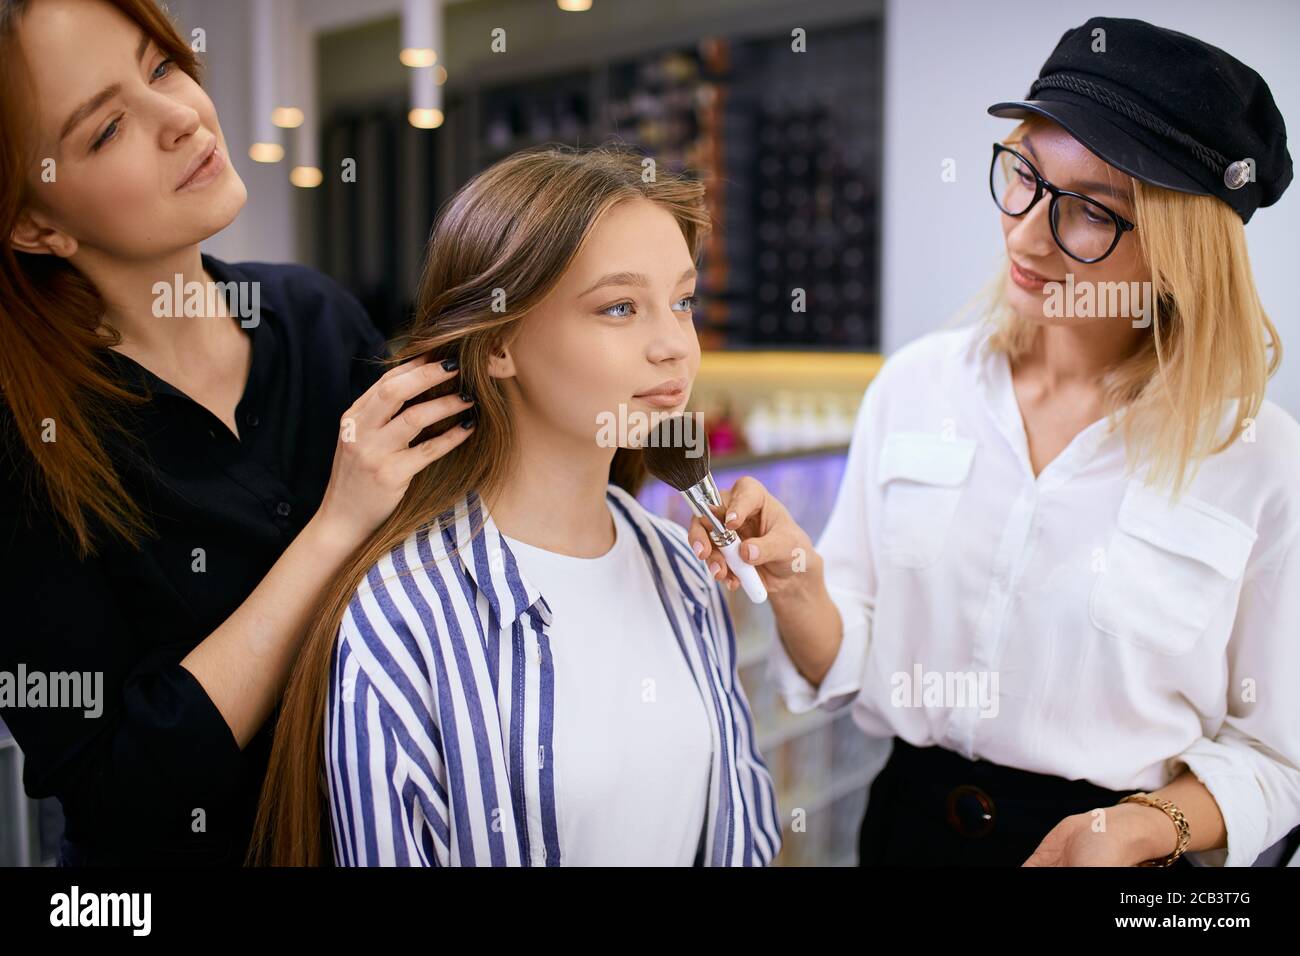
(639, 279)
(103, 96)
(1094, 187)
(1089, 186)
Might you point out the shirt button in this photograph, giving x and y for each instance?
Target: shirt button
(253, 420)
(283, 509)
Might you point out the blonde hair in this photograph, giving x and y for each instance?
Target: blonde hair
(1210, 342)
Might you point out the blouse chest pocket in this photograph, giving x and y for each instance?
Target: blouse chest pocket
(922, 476)
(1169, 568)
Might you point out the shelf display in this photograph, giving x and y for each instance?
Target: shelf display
(791, 169)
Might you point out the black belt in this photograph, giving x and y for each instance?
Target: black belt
(931, 806)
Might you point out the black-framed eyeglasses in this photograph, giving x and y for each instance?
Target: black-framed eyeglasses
(1085, 229)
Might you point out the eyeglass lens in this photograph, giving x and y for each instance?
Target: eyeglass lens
(1083, 228)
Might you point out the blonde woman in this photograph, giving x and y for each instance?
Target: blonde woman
(1063, 568)
(523, 666)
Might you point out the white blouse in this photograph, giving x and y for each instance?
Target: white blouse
(1077, 623)
(632, 742)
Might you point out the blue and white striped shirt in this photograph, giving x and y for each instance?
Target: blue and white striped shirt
(440, 715)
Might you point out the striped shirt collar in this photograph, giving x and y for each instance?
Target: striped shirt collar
(489, 550)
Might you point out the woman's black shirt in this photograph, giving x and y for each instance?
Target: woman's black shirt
(157, 776)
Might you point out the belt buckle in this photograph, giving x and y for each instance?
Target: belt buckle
(971, 811)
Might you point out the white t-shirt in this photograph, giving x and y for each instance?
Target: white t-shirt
(632, 744)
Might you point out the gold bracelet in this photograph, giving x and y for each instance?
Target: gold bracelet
(1180, 821)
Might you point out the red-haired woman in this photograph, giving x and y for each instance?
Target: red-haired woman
(176, 486)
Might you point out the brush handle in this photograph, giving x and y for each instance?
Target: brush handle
(747, 573)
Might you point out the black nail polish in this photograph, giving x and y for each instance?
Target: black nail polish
(469, 423)
(466, 398)
(450, 365)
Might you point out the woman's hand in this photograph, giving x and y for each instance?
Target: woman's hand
(374, 460)
(772, 541)
(1133, 833)
(243, 665)
(807, 620)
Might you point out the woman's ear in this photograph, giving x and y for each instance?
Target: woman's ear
(501, 363)
(30, 236)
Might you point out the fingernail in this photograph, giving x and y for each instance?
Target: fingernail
(466, 399)
(751, 550)
(698, 549)
(715, 568)
(731, 516)
(469, 423)
(450, 365)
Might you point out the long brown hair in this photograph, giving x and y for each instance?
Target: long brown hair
(52, 345)
(514, 227)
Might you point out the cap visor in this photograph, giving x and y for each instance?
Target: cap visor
(1111, 141)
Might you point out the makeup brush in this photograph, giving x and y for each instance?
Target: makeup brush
(674, 459)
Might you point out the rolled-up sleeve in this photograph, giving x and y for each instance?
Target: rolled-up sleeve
(1251, 766)
(845, 548)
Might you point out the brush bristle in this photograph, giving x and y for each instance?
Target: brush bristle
(666, 453)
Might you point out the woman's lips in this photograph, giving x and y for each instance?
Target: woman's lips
(664, 399)
(667, 394)
(1026, 279)
(206, 173)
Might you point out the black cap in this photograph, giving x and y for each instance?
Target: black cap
(1167, 109)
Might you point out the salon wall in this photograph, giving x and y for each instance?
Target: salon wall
(947, 61)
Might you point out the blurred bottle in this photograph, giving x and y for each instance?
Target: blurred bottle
(725, 433)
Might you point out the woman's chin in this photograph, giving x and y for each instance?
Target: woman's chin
(1026, 304)
(225, 206)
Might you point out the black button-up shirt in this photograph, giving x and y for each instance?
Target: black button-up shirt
(158, 776)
